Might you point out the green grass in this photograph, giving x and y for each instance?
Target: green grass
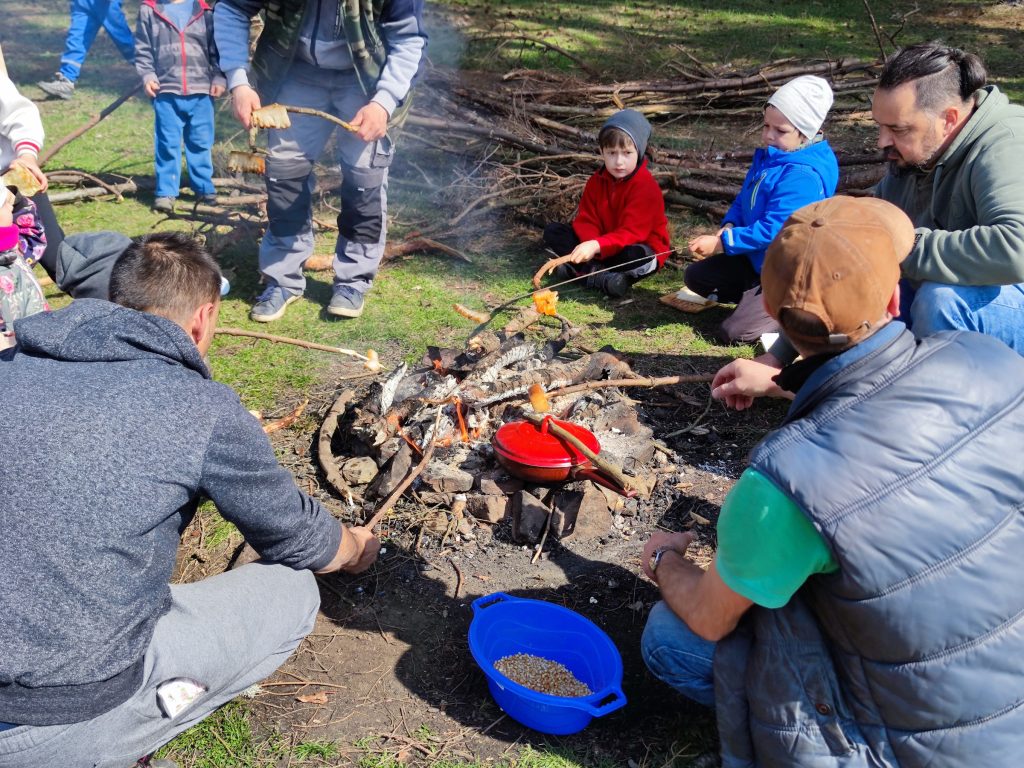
(410, 306)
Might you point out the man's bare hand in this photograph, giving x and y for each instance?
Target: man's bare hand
(29, 163)
(367, 549)
(677, 542)
(370, 122)
(244, 100)
(152, 88)
(742, 381)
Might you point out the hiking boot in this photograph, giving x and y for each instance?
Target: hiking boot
(346, 302)
(164, 204)
(271, 304)
(614, 284)
(564, 272)
(60, 87)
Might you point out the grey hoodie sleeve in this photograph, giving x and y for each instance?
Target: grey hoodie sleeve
(402, 29)
(242, 477)
(992, 251)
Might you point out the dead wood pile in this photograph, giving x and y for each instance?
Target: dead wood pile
(532, 134)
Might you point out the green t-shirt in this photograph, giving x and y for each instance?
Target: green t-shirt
(767, 548)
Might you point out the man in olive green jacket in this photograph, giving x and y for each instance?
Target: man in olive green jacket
(956, 148)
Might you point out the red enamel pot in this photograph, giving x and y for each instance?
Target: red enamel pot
(533, 454)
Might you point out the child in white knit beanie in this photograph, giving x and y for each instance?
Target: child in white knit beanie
(795, 167)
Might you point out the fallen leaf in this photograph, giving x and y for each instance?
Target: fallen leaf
(482, 576)
(682, 486)
(320, 697)
(700, 519)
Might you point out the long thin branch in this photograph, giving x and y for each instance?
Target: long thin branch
(332, 472)
(544, 44)
(415, 472)
(287, 340)
(107, 110)
(660, 381)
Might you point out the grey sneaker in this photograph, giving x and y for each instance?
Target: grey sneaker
(165, 204)
(271, 304)
(60, 87)
(346, 302)
(614, 284)
(210, 199)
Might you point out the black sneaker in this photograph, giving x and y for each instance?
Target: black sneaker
(614, 284)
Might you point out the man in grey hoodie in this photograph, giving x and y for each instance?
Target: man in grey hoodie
(120, 435)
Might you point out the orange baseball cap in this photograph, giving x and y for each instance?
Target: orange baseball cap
(838, 260)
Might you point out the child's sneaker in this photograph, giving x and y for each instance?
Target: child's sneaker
(614, 284)
(164, 204)
(210, 199)
(60, 87)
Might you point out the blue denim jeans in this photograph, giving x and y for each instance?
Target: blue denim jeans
(995, 310)
(87, 16)
(677, 656)
(189, 118)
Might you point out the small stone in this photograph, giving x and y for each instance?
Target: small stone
(490, 509)
(593, 600)
(447, 479)
(529, 517)
(498, 483)
(359, 471)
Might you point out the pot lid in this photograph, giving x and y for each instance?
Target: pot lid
(526, 443)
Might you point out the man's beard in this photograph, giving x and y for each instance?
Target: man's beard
(932, 150)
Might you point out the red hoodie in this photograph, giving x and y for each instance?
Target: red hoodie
(621, 213)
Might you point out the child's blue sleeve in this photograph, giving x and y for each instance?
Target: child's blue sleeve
(796, 187)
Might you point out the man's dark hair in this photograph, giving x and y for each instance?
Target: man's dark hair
(166, 273)
(615, 138)
(940, 74)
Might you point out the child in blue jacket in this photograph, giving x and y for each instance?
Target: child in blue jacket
(177, 60)
(795, 167)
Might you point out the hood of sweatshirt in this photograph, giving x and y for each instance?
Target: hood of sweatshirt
(992, 107)
(94, 331)
(84, 262)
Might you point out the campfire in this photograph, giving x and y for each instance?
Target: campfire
(510, 427)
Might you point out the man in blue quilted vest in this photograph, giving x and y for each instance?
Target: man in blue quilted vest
(864, 605)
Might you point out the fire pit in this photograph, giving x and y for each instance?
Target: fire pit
(454, 428)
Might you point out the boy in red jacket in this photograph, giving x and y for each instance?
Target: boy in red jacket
(621, 220)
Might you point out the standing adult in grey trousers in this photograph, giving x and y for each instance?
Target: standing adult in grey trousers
(355, 59)
(101, 660)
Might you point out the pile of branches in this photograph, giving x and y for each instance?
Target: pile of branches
(531, 135)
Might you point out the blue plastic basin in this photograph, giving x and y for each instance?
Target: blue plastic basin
(504, 625)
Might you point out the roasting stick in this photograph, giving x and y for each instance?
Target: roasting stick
(415, 472)
(563, 434)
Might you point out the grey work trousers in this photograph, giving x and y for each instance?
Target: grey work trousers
(362, 223)
(226, 632)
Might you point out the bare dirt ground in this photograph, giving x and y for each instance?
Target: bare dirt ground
(388, 670)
